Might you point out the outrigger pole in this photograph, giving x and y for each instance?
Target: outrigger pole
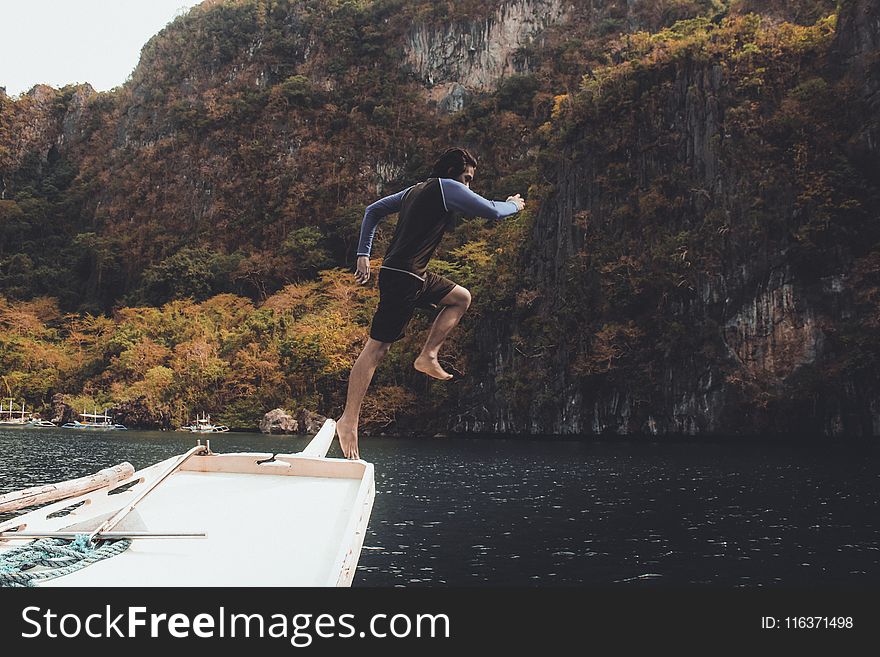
(104, 536)
(110, 523)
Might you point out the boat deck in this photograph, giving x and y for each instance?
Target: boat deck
(283, 520)
(295, 546)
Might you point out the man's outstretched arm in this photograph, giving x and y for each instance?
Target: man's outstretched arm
(459, 197)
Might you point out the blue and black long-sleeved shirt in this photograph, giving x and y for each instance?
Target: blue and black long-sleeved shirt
(426, 211)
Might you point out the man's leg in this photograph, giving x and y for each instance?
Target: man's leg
(454, 305)
(358, 382)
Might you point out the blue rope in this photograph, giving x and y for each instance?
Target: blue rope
(56, 556)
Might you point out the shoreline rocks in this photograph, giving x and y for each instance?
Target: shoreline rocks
(280, 421)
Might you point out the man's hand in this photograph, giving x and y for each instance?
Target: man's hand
(362, 275)
(517, 201)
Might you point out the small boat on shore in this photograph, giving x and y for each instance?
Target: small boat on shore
(203, 425)
(9, 416)
(95, 421)
(201, 519)
(39, 422)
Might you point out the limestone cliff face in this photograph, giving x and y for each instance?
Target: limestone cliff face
(463, 57)
(767, 320)
(858, 32)
(857, 48)
(774, 332)
(44, 119)
(75, 114)
(36, 129)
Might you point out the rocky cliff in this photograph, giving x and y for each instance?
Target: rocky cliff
(749, 331)
(700, 253)
(459, 58)
(857, 51)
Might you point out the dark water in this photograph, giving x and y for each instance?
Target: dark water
(514, 512)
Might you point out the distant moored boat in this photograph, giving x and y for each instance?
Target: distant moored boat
(39, 422)
(203, 425)
(9, 416)
(95, 421)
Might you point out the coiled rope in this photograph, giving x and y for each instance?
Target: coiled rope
(57, 556)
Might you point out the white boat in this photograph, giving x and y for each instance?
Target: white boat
(8, 414)
(203, 425)
(95, 421)
(38, 422)
(206, 519)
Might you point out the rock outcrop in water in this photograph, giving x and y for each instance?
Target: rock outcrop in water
(303, 421)
(278, 421)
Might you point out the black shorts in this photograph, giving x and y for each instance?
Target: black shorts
(400, 294)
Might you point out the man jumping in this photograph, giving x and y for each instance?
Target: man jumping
(426, 211)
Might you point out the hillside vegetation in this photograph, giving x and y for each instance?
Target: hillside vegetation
(185, 242)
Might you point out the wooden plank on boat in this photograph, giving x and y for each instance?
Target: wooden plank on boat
(293, 465)
(51, 492)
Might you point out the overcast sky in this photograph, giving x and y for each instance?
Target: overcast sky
(59, 42)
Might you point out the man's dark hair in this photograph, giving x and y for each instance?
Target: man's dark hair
(452, 163)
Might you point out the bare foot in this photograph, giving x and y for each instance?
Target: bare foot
(348, 438)
(432, 368)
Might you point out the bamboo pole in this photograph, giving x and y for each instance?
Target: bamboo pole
(51, 492)
(111, 522)
(28, 536)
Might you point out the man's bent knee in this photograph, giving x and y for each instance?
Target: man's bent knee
(377, 348)
(458, 296)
